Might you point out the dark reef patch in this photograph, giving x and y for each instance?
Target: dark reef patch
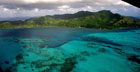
(68, 65)
(42, 45)
(18, 57)
(100, 39)
(134, 59)
(1, 70)
(25, 46)
(138, 33)
(6, 62)
(137, 49)
(102, 50)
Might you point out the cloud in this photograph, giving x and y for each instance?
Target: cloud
(53, 4)
(50, 1)
(64, 7)
(14, 8)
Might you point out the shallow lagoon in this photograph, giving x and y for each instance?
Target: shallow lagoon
(69, 50)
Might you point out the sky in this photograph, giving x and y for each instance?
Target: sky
(32, 8)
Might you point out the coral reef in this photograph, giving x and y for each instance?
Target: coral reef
(98, 52)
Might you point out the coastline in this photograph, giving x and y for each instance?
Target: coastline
(128, 28)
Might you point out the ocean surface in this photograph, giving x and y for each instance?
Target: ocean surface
(61, 49)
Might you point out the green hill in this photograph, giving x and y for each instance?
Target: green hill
(103, 19)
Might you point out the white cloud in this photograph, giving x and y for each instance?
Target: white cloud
(5, 9)
(64, 7)
(89, 7)
(18, 9)
(122, 3)
(36, 9)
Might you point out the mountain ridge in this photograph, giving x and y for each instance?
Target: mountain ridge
(104, 19)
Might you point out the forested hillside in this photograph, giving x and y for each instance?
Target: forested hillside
(103, 19)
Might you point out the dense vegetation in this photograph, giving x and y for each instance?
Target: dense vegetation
(102, 19)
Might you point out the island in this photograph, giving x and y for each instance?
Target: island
(104, 19)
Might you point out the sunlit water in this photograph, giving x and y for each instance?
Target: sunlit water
(62, 49)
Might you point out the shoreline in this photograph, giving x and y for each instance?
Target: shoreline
(133, 28)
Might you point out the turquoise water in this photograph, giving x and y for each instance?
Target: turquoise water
(60, 49)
